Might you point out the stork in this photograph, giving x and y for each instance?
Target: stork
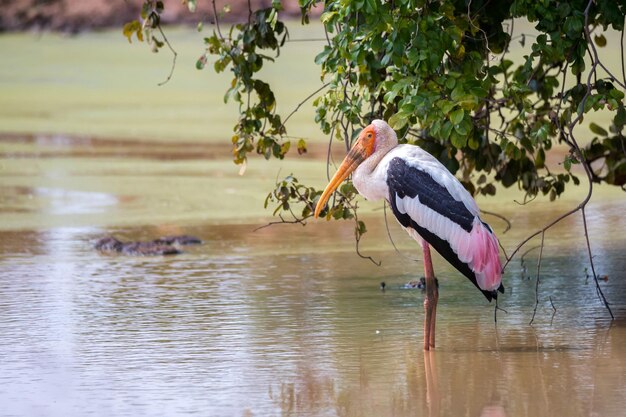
(431, 205)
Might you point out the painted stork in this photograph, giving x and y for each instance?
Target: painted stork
(430, 204)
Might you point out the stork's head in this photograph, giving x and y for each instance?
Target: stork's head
(373, 143)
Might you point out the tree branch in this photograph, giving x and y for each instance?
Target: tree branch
(577, 150)
(543, 234)
(310, 96)
(167, 42)
(499, 216)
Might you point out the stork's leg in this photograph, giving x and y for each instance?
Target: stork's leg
(430, 301)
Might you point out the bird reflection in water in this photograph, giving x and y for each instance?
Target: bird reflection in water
(313, 393)
(433, 395)
(433, 398)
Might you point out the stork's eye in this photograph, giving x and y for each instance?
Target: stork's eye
(369, 135)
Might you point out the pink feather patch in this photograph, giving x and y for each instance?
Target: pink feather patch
(485, 259)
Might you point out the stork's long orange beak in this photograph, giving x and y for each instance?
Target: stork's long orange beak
(359, 152)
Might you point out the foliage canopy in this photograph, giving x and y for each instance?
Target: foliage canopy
(438, 71)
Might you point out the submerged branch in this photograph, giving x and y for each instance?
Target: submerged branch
(523, 261)
(574, 148)
(543, 234)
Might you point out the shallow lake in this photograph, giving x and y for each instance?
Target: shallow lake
(286, 320)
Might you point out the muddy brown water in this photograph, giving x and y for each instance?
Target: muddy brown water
(284, 321)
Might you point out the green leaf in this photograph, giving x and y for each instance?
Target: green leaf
(573, 26)
(463, 128)
(540, 159)
(600, 40)
(567, 163)
(597, 129)
(457, 116)
(473, 143)
(398, 120)
(272, 18)
(321, 57)
(587, 104)
(488, 189)
(201, 62)
(446, 106)
(616, 94)
(458, 141)
(446, 129)
(191, 5)
(620, 118)
(360, 228)
(327, 17)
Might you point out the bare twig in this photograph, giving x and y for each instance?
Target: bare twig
(499, 216)
(357, 238)
(167, 42)
(553, 310)
(310, 96)
(594, 50)
(283, 221)
(538, 232)
(543, 234)
(523, 261)
(330, 145)
(389, 235)
(469, 19)
(217, 20)
(523, 203)
(621, 42)
(495, 312)
(593, 269)
(575, 148)
(528, 251)
(307, 40)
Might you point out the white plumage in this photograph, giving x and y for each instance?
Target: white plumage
(429, 202)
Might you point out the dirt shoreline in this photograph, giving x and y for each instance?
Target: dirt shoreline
(59, 145)
(73, 16)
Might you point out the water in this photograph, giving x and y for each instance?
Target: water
(250, 324)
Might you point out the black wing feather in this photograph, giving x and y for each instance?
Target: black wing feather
(405, 180)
